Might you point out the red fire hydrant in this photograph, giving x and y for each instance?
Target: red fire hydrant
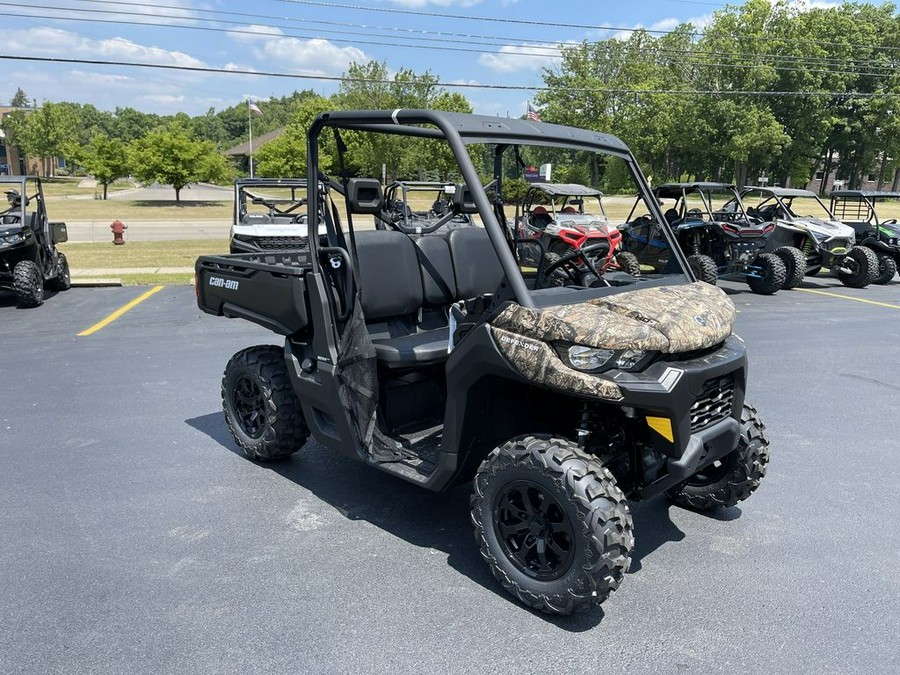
(118, 229)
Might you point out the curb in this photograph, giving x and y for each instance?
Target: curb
(88, 282)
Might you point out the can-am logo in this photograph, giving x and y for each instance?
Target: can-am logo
(515, 342)
(228, 284)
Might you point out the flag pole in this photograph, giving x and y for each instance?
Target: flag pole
(250, 124)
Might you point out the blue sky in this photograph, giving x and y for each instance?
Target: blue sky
(304, 38)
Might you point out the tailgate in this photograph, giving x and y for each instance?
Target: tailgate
(268, 289)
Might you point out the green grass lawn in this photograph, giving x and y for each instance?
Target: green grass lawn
(66, 186)
(123, 209)
(182, 253)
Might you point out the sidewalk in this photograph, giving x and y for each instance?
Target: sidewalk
(110, 276)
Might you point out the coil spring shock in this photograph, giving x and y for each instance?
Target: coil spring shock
(695, 241)
(807, 246)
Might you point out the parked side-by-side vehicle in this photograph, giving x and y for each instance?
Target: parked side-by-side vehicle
(441, 359)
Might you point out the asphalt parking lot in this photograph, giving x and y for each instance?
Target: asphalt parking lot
(136, 540)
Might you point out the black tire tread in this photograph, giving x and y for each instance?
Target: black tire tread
(751, 458)
(28, 284)
(606, 524)
(704, 268)
(628, 262)
(795, 265)
(286, 429)
(63, 280)
(887, 269)
(869, 268)
(773, 280)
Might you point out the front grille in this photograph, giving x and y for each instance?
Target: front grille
(276, 243)
(713, 404)
(838, 245)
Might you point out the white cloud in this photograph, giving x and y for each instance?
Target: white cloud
(174, 12)
(520, 58)
(307, 57)
(164, 99)
(55, 42)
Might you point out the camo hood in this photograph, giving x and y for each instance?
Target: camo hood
(668, 319)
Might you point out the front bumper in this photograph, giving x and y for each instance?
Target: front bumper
(697, 401)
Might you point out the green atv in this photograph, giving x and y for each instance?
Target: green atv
(857, 208)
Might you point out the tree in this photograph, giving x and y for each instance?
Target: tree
(173, 156)
(105, 158)
(20, 99)
(285, 156)
(50, 131)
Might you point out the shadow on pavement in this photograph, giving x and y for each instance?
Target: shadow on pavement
(186, 203)
(429, 520)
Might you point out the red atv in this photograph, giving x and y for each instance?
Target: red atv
(557, 215)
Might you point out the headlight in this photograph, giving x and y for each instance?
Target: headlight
(12, 239)
(895, 242)
(588, 358)
(819, 236)
(593, 360)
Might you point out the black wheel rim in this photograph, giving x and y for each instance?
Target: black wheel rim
(534, 531)
(249, 407)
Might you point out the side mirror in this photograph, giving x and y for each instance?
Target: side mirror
(58, 233)
(364, 195)
(462, 199)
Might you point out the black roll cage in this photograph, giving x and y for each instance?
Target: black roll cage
(459, 130)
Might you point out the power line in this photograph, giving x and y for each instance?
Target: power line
(427, 35)
(439, 84)
(550, 24)
(548, 53)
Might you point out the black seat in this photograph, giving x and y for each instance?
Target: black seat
(413, 349)
(392, 298)
(475, 263)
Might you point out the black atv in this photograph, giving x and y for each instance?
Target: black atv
(857, 208)
(29, 259)
(436, 358)
(720, 242)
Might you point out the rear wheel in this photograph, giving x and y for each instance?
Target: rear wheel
(261, 409)
(28, 284)
(887, 269)
(551, 524)
(63, 280)
(794, 265)
(628, 262)
(704, 268)
(858, 268)
(734, 477)
(769, 274)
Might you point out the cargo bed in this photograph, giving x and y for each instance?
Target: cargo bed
(266, 288)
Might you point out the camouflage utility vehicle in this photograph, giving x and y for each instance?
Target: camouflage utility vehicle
(437, 359)
(29, 259)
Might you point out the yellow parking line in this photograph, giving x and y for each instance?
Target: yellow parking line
(847, 297)
(119, 312)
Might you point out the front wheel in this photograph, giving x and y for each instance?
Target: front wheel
(887, 269)
(551, 524)
(768, 275)
(858, 268)
(28, 284)
(794, 265)
(628, 262)
(734, 477)
(704, 268)
(261, 409)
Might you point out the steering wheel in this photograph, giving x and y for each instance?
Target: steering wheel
(694, 212)
(567, 265)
